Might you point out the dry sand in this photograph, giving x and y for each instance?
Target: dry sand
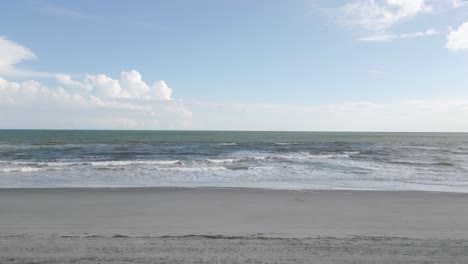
(161, 225)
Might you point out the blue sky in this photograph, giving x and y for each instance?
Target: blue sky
(382, 65)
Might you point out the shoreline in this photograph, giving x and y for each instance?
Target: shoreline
(154, 188)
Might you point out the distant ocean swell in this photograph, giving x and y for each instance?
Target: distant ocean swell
(278, 160)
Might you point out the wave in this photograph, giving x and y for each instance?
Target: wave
(444, 164)
(415, 163)
(228, 161)
(241, 161)
(93, 163)
(236, 168)
(227, 144)
(109, 168)
(352, 152)
(295, 156)
(49, 143)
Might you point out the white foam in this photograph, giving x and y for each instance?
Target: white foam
(297, 170)
(133, 162)
(222, 160)
(194, 169)
(21, 169)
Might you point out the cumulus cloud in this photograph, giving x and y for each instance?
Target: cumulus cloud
(129, 85)
(379, 15)
(98, 101)
(458, 39)
(390, 37)
(67, 81)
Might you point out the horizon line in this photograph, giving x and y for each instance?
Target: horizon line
(228, 130)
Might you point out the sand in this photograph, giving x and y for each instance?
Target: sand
(177, 225)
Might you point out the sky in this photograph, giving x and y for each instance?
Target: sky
(323, 65)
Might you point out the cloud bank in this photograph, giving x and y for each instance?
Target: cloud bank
(98, 101)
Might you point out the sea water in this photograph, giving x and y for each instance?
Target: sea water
(275, 160)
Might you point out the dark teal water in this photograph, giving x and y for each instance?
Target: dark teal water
(280, 160)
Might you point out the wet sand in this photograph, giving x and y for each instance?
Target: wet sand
(160, 225)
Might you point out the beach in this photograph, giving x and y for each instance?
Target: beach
(231, 225)
(234, 132)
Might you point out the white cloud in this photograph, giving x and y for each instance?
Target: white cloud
(12, 53)
(133, 84)
(458, 39)
(67, 81)
(130, 85)
(105, 87)
(391, 37)
(97, 102)
(379, 15)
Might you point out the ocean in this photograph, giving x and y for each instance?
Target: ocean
(272, 160)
